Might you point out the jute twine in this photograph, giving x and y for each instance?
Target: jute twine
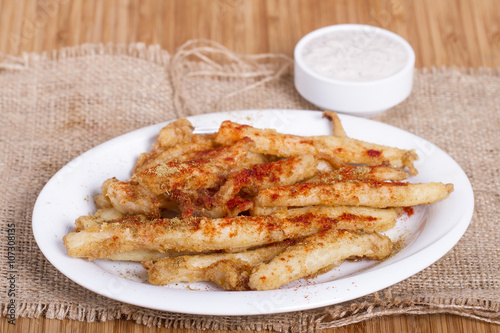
(54, 106)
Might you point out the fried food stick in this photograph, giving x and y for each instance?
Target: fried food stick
(248, 181)
(193, 234)
(175, 133)
(129, 198)
(268, 141)
(265, 175)
(347, 217)
(317, 253)
(370, 194)
(204, 168)
(205, 172)
(142, 255)
(338, 129)
(362, 173)
(174, 140)
(202, 234)
(182, 152)
(229, 270)
(100, 216)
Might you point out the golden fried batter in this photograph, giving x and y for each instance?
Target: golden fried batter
(229, 270)
(325, 249)
(205, 172)
(346, 173)
(348, 150)
(370, 194)
(310, 207)
(193, 234)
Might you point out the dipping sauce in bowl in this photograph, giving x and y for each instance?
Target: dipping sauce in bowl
(354, 68)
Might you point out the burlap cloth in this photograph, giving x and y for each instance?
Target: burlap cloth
(56, 106)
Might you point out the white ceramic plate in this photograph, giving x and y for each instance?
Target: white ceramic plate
(425, 236)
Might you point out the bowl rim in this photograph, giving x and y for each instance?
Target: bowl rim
(409, 65)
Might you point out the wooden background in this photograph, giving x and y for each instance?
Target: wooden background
(442, 32)
(464, 33)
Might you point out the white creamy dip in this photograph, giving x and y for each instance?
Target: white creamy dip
(353, 55)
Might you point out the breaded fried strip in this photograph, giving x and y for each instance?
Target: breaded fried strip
(226, 202)
(141, 255)
(229, 274)
(261, 176)
(101, 201)
(128, 197)
(348, 173)
(325, 249)
(100, 216)
(333, 162)
(175, 133)
(205, 172)
(338, 129)
(268, 141)
(181, 152)
(193, 234)
(178, 131)
(347, 217)
(262, 211)
(194, 268)
(370, 194)
(203, 204)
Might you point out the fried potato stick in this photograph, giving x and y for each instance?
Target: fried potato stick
(230, 270)
(370, 194)
(142, 255)
(193, 234)
(268, 141)
(338, 129)
(260, 176)
(129, 198)
(174, 140)
(262, 211)
(323, 250)
(347, 217)
(205, 172)
(182, 152)
(175, 133)
(249, 181)
(349, 173)
(100, 216)
(358, 210)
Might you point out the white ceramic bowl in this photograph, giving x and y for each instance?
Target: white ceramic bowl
(362, 97)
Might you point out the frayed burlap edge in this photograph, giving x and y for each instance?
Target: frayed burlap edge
(198, 57)
(157, 55)
(152, 53)
(305, 321)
